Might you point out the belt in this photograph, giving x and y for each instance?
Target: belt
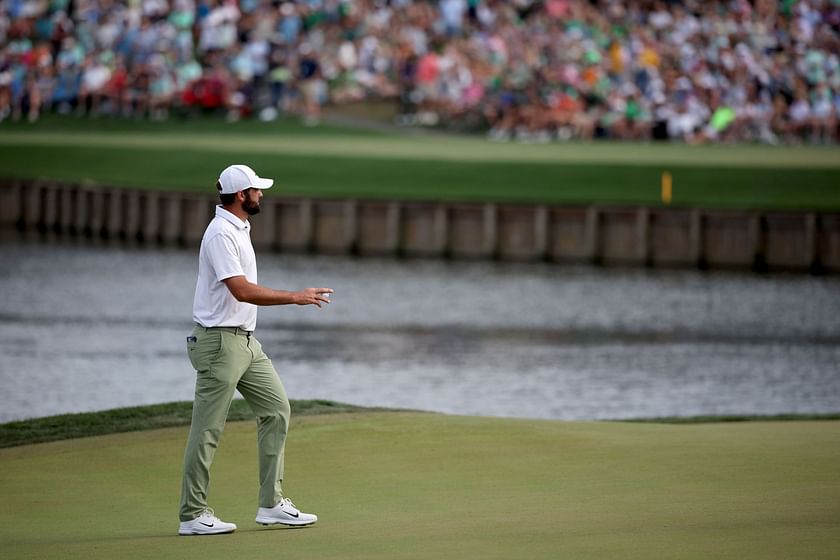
(234, 330)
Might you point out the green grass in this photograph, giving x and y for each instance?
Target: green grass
(334, 161)
(409, 485)
(68, 426)
(165, 415)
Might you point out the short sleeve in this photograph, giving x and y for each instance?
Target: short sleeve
(223, 255)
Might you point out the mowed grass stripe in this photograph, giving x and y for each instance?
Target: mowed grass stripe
(351, 177)
(412, 485)
(441, 148)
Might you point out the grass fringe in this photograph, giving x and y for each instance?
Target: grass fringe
(735, 418)
(149, 417)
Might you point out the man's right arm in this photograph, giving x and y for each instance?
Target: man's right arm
(248, 292)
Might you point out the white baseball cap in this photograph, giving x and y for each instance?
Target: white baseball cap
(239, 177)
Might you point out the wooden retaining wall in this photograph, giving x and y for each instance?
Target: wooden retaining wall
(655, 237)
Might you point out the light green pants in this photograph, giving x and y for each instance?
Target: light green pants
(225, 359)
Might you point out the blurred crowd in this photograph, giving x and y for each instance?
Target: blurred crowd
(524, 70)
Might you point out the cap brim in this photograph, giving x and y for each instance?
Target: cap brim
(261, 183)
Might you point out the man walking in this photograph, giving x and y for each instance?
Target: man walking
(227, 357)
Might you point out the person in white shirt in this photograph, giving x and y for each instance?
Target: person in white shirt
(227, 357)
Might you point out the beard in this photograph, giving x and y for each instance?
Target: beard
(251, 207)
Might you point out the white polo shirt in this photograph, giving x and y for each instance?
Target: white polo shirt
(226, 251)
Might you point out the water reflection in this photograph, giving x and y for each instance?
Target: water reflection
(87, 328)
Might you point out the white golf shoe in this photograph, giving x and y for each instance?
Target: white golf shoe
(285, 513)
(206, 524)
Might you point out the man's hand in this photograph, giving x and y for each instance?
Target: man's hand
(248, 292)
(313, 296)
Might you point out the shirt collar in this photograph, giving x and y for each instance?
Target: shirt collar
(232, 218)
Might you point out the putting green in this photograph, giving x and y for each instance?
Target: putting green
(413, 485)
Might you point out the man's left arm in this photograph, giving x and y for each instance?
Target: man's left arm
(244, 290)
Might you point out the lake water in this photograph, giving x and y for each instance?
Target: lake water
(86, 328)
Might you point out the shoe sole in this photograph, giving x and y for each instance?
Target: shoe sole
(266, 522)
(203, 533)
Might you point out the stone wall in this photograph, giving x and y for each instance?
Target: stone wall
(631, 236)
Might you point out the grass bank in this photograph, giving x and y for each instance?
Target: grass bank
(131, 419)
(407, 485)
(150, 417)
(333, 161)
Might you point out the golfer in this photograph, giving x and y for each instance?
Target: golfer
(227, 357)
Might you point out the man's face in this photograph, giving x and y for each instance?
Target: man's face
(251, 204)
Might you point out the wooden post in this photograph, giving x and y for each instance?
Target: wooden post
(642, 236)
(490, 235)
(150, 226)
(31, 213)
(541, 231)
(96, 222)
(115, 221)
(592, 234)
(756, 238)
(11, 205)
(170, 227)
(695, 236)
(49, 223)
(393, 227)
(811, 239)
(441, 227)
(351, 226)
(67, 210)
(307, 225)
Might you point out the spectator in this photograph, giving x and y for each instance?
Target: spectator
(95, 76)
(800, 122)
(311, 84)
(685, 70)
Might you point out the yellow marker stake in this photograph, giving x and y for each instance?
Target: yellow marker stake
(666, 187)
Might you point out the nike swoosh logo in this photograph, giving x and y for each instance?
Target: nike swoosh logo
(292, 514)
(206, 525)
